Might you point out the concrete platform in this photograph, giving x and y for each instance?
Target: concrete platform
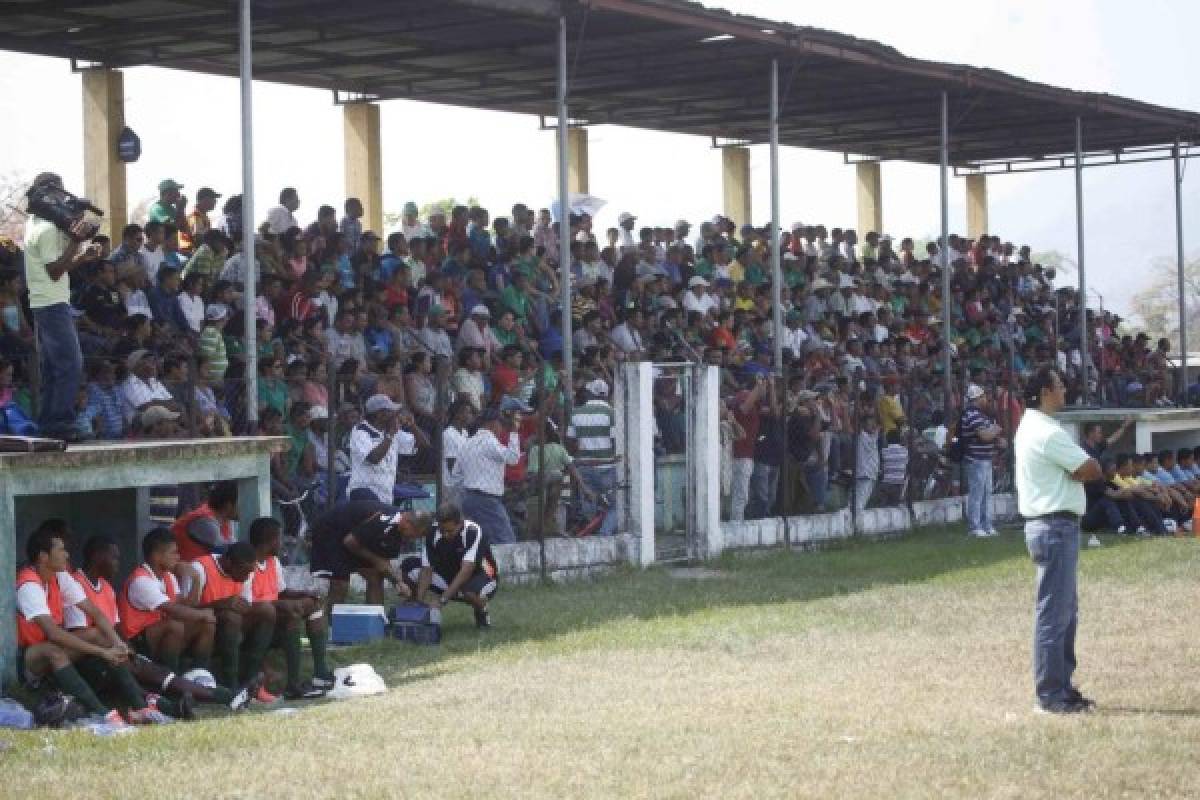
(104, 488)
(1153, 429)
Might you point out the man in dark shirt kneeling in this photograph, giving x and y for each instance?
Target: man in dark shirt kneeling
(456, 563)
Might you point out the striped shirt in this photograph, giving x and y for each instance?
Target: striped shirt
(972, 423)
(895, 463)
(481, 460)
(592, 429)
(379, 478)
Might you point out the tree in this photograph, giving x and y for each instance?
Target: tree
(1157, 306)
(392, 219)
(1062, 264)
(12, 202)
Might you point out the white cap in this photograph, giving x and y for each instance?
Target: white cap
(480, 311)
(974, 391)
(697, 281)
(598, 387)
(318, 412)
(381, 402)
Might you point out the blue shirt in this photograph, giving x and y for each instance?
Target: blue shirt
(1159, 476)
(480, 241)
(112, 415)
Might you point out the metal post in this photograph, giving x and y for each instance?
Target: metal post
(249, 267)
(1084, 332)
(776, 268)
(332, 439)
(1183, 319)
(944, 252)
(564, 216)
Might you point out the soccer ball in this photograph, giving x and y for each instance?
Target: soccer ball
(202, 677)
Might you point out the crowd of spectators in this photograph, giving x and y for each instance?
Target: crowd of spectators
(455, 319)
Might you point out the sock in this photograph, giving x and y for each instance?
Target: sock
(256, 649)
(69, 681)
(169, 706)
(130, 692)
(227, 645)
(319, 641)
(291, 654)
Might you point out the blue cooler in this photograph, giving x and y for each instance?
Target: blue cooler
(354, 624)
(417, 623)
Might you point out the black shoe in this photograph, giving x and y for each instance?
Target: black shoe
(187, 706)
(305, 691)
(1076, 696)
(482, 618)
(1064, 707)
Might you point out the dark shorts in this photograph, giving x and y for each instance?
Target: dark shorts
(479, 583)
(331, 559)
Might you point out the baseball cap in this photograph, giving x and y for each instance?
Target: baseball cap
(410, 207)
(168, 185)
(513, 404)
(682, 223)
(155, 414)
(381, 402)
(625, 216)
(974, 391)
(216, 311)
(697, 281)
(206, 193)
(480, 311)
(318, 412)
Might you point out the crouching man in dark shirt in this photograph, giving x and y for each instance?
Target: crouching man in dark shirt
(456, 563)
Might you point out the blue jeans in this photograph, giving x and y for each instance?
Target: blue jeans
(764, 487)
(1054, 547)
(601, 480)
(61, 365)
(490, 514)
(979, 494)
(817, 479)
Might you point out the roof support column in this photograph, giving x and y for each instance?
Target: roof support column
(977, 206)
(564, 215)
(364, 161)
(103, 121)
(869, 183)
(1085, 332)
(577, 160)
(776, 268)
(944, 252)
(250, 264)
(1182, 385)
(735, 184)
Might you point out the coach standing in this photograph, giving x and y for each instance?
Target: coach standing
(1050, 473)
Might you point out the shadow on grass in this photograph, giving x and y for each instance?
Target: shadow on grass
(545, 612)
(1148, 712)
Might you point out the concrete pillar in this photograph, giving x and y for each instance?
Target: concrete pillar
(577, 160)
(869, 190)
(977, 206)
(636, 413)
(364, 162)
(254, 496)
(709, 539)
(103, 121)
(735, 184)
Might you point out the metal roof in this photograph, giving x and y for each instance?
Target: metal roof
(667, 65)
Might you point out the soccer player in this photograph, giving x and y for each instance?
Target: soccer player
(267, 585)
(219, 585)
(46, 649)
(207, 528)
(456, 563)
(101, 609)
(363, 535)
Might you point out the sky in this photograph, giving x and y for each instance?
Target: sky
(189, 128)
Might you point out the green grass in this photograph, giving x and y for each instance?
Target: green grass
(894, 668)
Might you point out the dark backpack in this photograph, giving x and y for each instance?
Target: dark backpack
(956, 448)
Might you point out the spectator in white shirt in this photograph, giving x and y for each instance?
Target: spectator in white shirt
(411, 225)
(142, 389)
(433, 336)
(344, 340)
(190, 301)
(627, 337)
(697, 297)
(281, 218)
(794, 335)
(627, 243)
(481, 461)
(151, 256)
(376, 445)
(455, 435)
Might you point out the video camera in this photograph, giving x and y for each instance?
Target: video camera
(48, 199)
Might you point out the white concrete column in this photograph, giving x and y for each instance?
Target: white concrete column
(735, 184)
(868, 182)
(705, 479)
(103, 121)
(637, 415)
(977, 206)
(364, 162)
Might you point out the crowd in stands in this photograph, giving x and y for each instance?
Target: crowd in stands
(444, 338)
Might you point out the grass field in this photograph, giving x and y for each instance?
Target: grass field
(897, 668)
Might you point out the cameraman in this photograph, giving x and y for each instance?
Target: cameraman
(50, 256)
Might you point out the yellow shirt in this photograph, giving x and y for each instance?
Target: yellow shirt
(1130, 482)
(737, 273)
(890, 413)
(44, 244)
(1046, 456)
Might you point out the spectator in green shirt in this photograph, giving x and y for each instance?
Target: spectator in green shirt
(515, 298)
(171, 204)
(272, 389)
(212, 341)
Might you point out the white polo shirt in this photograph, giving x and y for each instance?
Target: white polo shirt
(379, 478)
(1046, 455)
